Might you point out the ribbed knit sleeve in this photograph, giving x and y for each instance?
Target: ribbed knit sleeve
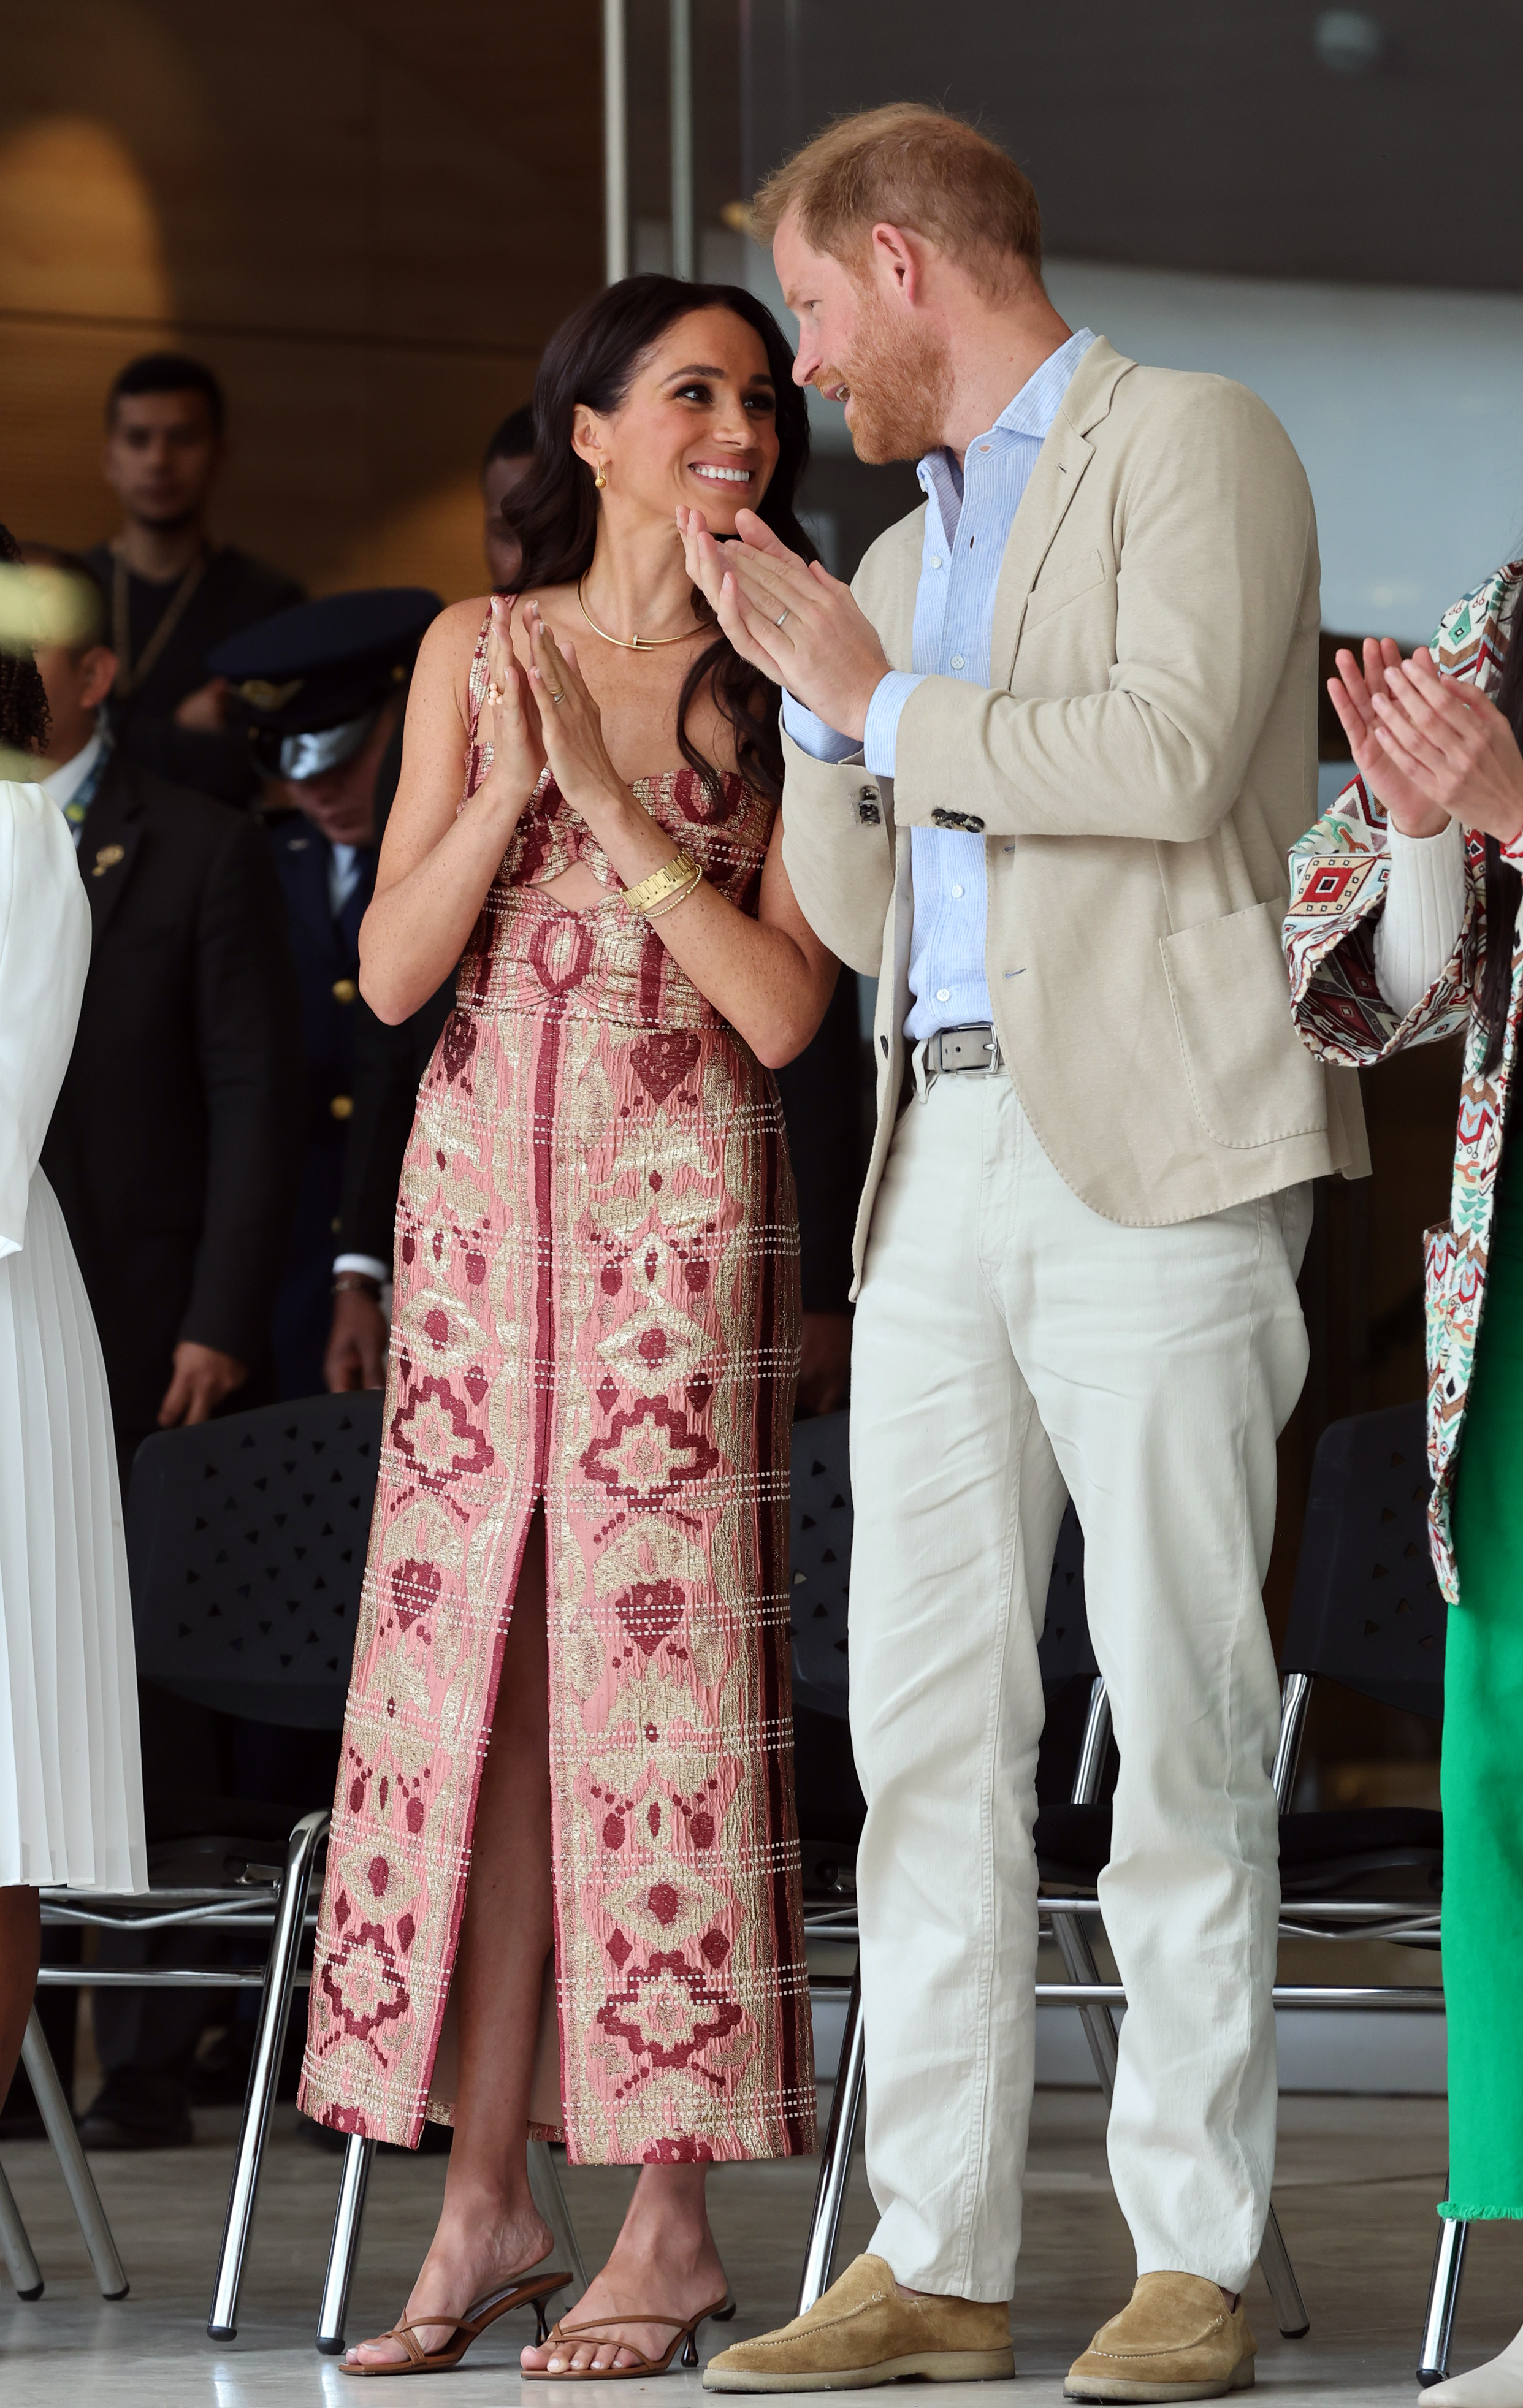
(1424, 907)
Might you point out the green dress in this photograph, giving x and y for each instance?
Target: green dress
(1483, 1743)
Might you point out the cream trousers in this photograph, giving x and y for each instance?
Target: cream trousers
(1012, 1348)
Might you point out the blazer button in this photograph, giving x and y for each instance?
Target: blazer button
(344, 990)
(341, 1107)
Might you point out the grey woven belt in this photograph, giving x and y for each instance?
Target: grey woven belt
(976, 1048)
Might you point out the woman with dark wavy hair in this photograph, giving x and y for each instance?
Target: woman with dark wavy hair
(1403, 927)
(566, 1776)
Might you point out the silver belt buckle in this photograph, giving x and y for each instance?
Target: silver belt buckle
(974, 1048)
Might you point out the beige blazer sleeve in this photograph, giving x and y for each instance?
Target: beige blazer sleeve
(1214, 532)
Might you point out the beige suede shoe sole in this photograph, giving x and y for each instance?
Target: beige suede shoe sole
(1121, 2387)
(933, 2365)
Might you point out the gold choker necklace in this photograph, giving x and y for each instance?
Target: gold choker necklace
(631, 643)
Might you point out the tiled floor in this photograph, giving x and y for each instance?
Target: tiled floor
(1357, 2183)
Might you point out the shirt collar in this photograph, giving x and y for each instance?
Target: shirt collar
(1030, 413)
(62, 785)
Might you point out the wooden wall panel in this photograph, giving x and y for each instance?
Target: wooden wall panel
(368, 220)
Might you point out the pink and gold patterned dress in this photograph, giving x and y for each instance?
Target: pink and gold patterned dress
(597, 1308)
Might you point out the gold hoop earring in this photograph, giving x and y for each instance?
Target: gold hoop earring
(601, 478)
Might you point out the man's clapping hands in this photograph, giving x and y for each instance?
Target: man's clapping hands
(790, 617)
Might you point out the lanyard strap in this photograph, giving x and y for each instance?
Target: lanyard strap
(129, 676)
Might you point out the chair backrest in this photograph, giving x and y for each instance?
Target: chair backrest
(246, 1543)
(821, 1565)
(1367, 1609)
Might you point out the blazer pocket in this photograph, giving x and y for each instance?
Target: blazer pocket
(1053, 594)
(1251, 1078)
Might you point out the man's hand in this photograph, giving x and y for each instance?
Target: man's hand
(206, 708)
(356, 1355)
(790, 617)
(203, 1377)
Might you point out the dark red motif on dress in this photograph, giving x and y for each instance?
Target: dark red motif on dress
(362, 1984)
(664, 1057)
(415, 1589)
(667, 2010)
(650, 1452)
(434, 1430)
(650, 1612)
(459, 1043)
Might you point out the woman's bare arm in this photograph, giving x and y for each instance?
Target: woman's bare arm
(436, 861)
(770, 977)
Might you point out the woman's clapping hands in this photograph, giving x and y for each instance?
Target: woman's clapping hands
(1429, 749)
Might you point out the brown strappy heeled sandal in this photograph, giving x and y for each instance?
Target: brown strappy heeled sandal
(685, 2338)
(529, 2290)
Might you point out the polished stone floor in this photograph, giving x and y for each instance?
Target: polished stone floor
(1357, 2182)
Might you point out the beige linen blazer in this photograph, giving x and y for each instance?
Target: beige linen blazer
(1139, 766)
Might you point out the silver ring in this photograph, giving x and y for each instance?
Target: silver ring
(777, 622)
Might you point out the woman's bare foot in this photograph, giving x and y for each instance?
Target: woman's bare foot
(471, 2256)
(663, 2262)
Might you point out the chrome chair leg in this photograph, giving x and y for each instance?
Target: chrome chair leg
(835, 2156)
(1443, 2301)
(25, 2273)
(274, 2014)
(85, 2199)
(344, 2248)
(1098, 2023)
(549, 2199)
(1279, 2275)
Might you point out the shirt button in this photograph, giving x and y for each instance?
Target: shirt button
(957, 891)
(341, 1107)
(982, 447)
(957, 660)
(943, 995)
(936, 559)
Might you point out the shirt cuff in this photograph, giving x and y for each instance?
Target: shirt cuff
(881, 735)
(812, 735)
(366, 1265)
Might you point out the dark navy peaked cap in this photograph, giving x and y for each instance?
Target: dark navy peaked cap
(309, 683)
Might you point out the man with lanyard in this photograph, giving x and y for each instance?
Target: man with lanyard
(316, 695)
(174, 593)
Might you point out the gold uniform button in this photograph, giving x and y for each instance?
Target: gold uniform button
(341, 1107)
(344, 990)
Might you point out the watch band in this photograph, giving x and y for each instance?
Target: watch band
(668, 885)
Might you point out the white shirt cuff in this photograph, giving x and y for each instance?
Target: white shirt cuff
(1425, 911)
(366, 1263)
(812, 735)
(881, 735)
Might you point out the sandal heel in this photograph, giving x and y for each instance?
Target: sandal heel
(690, 2350)
(541, 2329)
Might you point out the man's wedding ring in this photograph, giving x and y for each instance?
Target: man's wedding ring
(778, 621)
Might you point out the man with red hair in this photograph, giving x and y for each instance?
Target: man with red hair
(1045, 760)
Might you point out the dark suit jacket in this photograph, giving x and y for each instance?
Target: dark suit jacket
(235, 592)
(174, 1146)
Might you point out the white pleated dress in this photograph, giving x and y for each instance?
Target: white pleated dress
(71, 1782)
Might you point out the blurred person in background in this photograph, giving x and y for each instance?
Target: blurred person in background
(171, 1149)
(504, 469)
(71, 1803)
(174, 593)
(316, 694)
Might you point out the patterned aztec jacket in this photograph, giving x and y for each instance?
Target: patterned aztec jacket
(1338, 877)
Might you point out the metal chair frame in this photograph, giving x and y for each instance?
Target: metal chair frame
(84, 2198)
(282, 1907)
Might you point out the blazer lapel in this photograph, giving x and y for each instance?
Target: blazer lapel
(108, 848)
(1055, 478)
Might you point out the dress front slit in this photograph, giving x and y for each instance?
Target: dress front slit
(595, 1308)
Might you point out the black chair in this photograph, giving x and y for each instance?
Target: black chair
(1367, 1612)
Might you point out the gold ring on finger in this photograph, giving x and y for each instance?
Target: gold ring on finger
(559, 698)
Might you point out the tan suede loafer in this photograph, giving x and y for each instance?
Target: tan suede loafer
(1175, 2338)
(864, 2331)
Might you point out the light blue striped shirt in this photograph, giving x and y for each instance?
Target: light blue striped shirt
(969, 517)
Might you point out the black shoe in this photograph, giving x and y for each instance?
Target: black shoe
(138, 2109)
